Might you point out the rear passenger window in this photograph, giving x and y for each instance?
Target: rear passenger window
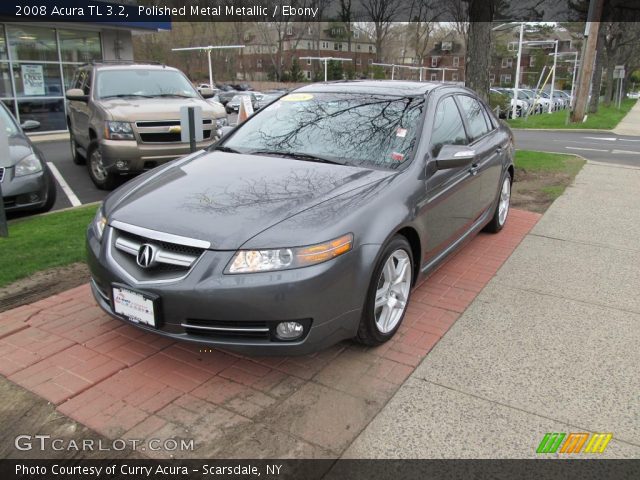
(448, 128)
(475, 115)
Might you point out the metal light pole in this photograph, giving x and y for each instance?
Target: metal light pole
(208, 50)
(517, 83)
(553, 74)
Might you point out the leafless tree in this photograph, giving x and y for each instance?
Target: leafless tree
(381, 14)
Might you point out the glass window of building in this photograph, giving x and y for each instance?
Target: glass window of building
(3, 45)
(32, 43)
(79, 46)
(5, 80)
(37, 80)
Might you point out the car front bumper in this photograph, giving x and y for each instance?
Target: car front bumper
(327, 298)
(138, 157)
(28, 192)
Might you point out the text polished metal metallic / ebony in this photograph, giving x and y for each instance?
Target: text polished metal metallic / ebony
(307, 224)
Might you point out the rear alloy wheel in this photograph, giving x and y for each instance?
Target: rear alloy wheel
(502, 208)
(388, 294)
(102, 178)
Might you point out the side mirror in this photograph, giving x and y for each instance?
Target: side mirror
(76, 94)
(206, 93)
(30, 125)
(454, 156)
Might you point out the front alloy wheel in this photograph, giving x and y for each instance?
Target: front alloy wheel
(388, 294)
(392, 294)
(102, 178)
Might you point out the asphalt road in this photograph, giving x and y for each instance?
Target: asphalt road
(601, 147)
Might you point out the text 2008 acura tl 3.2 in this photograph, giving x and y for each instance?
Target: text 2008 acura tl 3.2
(307, 224)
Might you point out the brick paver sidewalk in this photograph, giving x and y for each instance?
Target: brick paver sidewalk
(123, 382)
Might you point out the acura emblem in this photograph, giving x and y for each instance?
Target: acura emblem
(145, 257)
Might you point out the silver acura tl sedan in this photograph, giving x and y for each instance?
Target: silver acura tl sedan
(307, 224)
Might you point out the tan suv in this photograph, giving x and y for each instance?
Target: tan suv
(124, 118)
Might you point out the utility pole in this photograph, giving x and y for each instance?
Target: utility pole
(588, 60)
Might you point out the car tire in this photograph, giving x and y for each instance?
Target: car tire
(380, 321)
(102, 179)
(51, 193)
(502, 206)
(75, 155)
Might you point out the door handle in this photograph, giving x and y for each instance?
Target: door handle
(474, 169)
(499, 150)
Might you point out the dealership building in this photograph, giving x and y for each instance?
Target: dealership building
(37, 63)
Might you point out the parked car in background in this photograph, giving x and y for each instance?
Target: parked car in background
(205, 86)
(124, 118)
(309, 223)
(242, 87)
(541, 103)
(226, 95)
(233, 105)
(633, 94)
(521, 104)
(27, 182)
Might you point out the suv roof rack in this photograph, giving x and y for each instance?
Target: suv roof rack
(120, 62)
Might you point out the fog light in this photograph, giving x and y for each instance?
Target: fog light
(122, 165)
(289, 330)
(34, 197)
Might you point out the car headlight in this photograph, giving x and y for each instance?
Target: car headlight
(28, 165)
(99, 223)
(118, 131)
(252, 261)
(222, 122)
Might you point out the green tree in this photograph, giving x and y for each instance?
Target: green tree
(295, 74)
(334, 70)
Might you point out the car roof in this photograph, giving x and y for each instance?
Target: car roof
(379, 87)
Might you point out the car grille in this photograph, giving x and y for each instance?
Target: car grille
(1, 173)
(168, 137)
(157, 131)
(170, 260)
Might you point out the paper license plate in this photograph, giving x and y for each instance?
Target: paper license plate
(134, 306)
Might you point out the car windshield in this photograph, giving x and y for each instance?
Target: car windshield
(137, 82)
(8, 123)
(357, 129)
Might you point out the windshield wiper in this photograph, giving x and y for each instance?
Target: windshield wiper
(222, 148)
(177, 95)
(124, 95)
(298, 156)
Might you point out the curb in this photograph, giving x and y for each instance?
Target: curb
(572, 130)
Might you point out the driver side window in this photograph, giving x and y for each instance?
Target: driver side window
(448, 128)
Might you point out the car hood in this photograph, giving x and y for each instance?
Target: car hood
(136, 109)
(19, 147)
(226, 199)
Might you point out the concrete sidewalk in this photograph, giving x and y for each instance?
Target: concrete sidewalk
(550, 345)
(630, 124)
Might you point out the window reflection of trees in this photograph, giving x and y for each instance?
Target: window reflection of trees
(357, 129)
(271, 195)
